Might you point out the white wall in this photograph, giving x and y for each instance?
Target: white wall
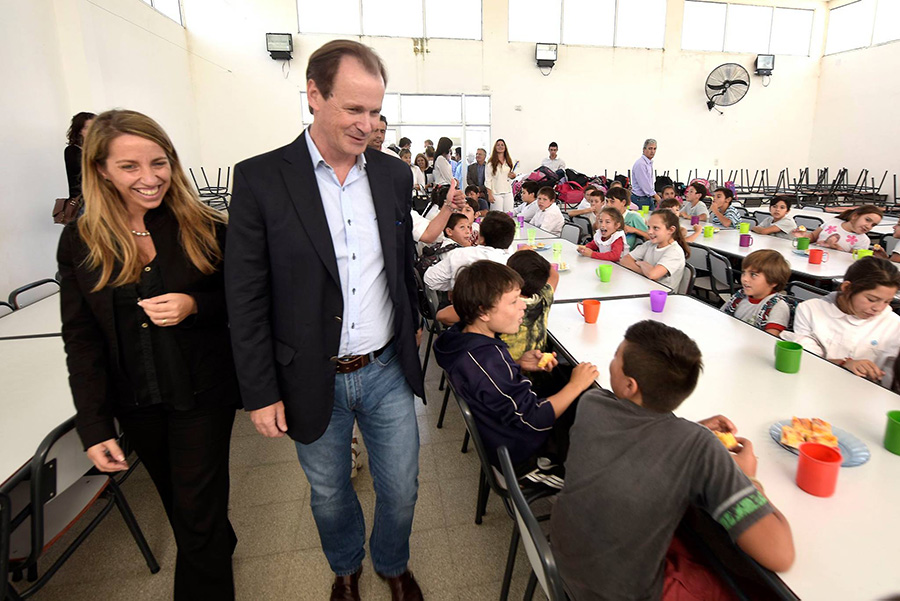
(856, 124)
(65, 56)
(598, 103)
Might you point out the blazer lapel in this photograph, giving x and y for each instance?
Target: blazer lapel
(300, 178)
(385, 211)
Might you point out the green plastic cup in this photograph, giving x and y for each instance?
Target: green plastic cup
(604, 272)
(708, 231)
(744, 228)
(801, 243)
(787, 356)
(892, 432)
(532, 236)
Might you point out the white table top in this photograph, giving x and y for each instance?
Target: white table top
(885, 227)
(42, 317)
(727, 241)
(846, 545)
(35, 397)
(581, 281)
(522, 232)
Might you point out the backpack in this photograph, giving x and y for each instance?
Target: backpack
(574, 176)
(570, 193)
(543, 175)
(661, 182)
(762, 316)
(432, 254)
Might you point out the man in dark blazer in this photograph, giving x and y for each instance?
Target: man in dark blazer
(322, 304)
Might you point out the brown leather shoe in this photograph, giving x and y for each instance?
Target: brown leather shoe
(346, 588)
(404, 587)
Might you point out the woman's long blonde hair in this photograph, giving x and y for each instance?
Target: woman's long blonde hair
(104, 226)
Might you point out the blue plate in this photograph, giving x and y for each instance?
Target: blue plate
(802, 253)
(542, 248)
(853, 450)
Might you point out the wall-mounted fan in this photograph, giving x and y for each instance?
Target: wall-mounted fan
(726, 85)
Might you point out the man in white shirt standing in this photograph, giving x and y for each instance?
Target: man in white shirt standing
(553, 162)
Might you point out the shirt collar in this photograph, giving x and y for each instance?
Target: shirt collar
(317, 158)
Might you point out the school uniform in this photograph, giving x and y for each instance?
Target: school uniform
(611, 249)
(671, 257)
(786, 225)
(550, 220)
(846, 241)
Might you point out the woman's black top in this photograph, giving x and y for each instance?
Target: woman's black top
(72, 156)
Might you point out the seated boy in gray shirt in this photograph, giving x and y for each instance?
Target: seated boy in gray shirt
(633, 469)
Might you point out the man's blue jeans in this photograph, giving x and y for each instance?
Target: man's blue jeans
(381, 401)
(642, 201)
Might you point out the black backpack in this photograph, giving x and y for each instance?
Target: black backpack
(432, 254)
(574, 176)
(661, 182)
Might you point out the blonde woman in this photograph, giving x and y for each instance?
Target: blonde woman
(498, 178)
(146, 337)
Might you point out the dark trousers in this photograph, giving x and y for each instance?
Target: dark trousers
(186, 455)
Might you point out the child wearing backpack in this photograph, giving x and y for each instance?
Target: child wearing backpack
(764, 273)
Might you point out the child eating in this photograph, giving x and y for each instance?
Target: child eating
(764, 273)
(609, 240)
(672, 204)
(662, 257)
(721, 212)
(848, 230)
(778, 223)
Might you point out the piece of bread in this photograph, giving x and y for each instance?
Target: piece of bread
(791, 437)
(808, 430)
(802, 228)
(877, 247)
(545, 359)
(727, 439)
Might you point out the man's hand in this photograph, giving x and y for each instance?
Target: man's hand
(419, 337)
(107, 456)
(270, 421)
(744, 457)
(456, 199)
(719, 423)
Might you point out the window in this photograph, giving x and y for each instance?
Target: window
(634, 23)
(464, 119)
(589, 22)
(535, 20)
(170, 8)
(460, 19)
(721, 27)
(641, 23)
(850, 26)
(887, 22)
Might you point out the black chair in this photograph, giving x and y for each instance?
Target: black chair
(491, 480)
(6, 593)
(585, 225)
(216, 196)
(749, 219)
(543, 565)
(803, 291)
(33, 292)
(810, 223)
(61, 484)
(686, 285)
(571, 232)
(5, 309)
(428, 307)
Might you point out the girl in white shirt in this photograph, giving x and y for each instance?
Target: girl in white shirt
(848, 230)
(498, 178)
(662, 256)
(443, 173)
(855, 327)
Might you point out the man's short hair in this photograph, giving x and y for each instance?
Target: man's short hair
(482, 150)
(771, 264)
(383, 119)
(498, 229)
(670, 203)
(472, 188)
(548, 192)
(531, 187)
(479, 287)
(534, 269)
(664, 362)
(728, 193)
(552, 144)
(324, 63)
(649, 141)
(785, 199)
(454, 219)
(618, 193)
(404, 142)
(429, 152)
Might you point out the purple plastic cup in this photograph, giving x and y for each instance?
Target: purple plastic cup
(658, 300)
(695, 220)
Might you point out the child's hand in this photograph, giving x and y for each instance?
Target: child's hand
(744, 457)
(879, 252)
(529, 361)
(865, 369)
(698, 228)
(719, 423)
(629, 230)
(584, 251)
(584, 375)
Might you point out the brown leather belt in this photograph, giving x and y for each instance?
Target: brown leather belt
(351, 363)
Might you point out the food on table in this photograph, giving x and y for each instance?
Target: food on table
(802, 228)
(808, 430)
(545, 359)
(727, 439)
(877, 247)
(563, 266)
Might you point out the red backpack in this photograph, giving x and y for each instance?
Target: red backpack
(571, 193)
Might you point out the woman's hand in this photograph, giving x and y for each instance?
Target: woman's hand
(512, 174)
(107, 456)
(168, 309)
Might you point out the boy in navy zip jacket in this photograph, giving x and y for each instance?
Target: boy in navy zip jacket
(508, 412)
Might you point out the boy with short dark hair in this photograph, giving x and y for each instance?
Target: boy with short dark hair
(474, 193)
(458, 230)
(635, 226)
(508, 412)
(720, 210)
(778, 223)
(634, 467)
(494, 239)
(764, 273)
(549, 218)
(528, 207)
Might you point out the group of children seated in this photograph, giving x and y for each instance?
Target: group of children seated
(614, 535)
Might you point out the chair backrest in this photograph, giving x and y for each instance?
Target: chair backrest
(687, 280)
(33, 292)
(741, 210)
(536, 545)
(804, 291)
(817, 208)
(585, 225)
(760, 216)
(889, 243)
(751, 220)
(472, 427)
(720, 270)
(699, 258)
(5, 513)
(428, 301)
(810, 223)
(5, 309)
(570, 232)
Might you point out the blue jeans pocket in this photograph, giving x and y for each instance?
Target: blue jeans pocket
(387, 357)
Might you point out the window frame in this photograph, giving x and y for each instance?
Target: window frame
(180, 20)
(871, 43)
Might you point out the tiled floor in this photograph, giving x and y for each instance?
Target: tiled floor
(278, 554)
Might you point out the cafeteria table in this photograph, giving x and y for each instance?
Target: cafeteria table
(580, 280)
(39, 319)
(35, 398)
(846, 545)
(522, 232)
(886, 227)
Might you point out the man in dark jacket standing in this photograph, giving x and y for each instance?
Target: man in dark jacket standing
(322, 303)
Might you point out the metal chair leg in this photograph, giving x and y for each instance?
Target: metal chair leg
(427, 350)
(465, 447)
(443, 381)
(481, 500)
(440, 423)
(529, 590)
(510, 563)
(133, 526)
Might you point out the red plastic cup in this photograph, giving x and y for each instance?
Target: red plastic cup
(817, 469)
(590, 310)
(817, 256)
